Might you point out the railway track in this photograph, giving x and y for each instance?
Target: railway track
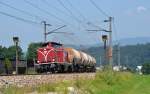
(46, 74)
(35, 79)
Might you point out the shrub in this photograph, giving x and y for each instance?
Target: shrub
(146, 68)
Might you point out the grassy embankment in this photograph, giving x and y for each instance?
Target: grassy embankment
(104, 83)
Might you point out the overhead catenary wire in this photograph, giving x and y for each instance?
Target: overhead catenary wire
(61, 11)
(50, 5)
(69, 11)
(57, 9)
(19, 18)
(84, 18)
(78, 11)
(52, 31)
(44, 11)
(115, 32)
(22, 11)
(89, 23)
(98, 8)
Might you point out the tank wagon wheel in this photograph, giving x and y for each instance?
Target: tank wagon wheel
(38, 70)
(61, 68)
(70, 69)
(76, 67)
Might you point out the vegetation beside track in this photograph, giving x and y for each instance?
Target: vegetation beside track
(104, 83)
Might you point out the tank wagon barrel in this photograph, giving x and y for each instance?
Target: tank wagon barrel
(79, 58)
(75, 56)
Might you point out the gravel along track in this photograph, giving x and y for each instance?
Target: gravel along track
(33, 80)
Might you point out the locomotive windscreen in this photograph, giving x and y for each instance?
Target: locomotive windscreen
(53, 44)
(56, 45)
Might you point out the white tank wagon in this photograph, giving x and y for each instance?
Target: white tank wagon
(90, 60)
(77, 57)
(87, 59)
(73, 56)
(80, 60)
(94, 60)
(84, 58)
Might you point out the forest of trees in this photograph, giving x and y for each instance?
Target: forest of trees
(10, 52)
(131, 55)
(7, 56)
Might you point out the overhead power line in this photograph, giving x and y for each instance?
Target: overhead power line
(98, 8)
(50, 5)
(69, 11)
(81, 15)
(19, 18)
(57, 9)
(52, 31)
(44, 11)
(115, 31)
(22, 11)
(84, 18)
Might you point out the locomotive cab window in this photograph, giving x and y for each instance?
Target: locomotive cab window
(56, 45)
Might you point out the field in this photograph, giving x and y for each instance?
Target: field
(104, 83)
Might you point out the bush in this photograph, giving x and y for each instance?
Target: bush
(146, 68)
(8, 66)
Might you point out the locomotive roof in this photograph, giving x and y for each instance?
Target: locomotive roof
(55, 43)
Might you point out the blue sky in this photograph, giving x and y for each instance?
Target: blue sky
(131, 18)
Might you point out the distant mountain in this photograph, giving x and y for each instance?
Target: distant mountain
(134, 41)
(130, 55)
(123, 42)
(82, 46)
(129, 41)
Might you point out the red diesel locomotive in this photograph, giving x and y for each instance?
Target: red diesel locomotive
(54, 57)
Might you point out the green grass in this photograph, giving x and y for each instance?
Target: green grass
(104, 83)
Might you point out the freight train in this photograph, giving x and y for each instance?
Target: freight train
(54, 57)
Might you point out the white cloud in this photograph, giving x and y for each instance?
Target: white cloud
(141, 9)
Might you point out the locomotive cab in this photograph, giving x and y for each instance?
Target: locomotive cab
(51, 52)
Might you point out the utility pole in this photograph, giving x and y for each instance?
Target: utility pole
(100, 62)
(16, 40)
(110, 42)
(118, 51)
(52, 31)
(45, 28)
(110, 49)
(110, 55)
(105, 38)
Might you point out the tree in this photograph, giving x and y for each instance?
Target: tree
(32, 53)
(32, 50)
(11, 52)
(8, 66)
(146, 68)
(3, 51)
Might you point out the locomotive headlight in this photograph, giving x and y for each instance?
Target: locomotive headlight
(53, 59)
(38, 61)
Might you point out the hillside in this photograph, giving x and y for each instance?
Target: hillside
(131, 55)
